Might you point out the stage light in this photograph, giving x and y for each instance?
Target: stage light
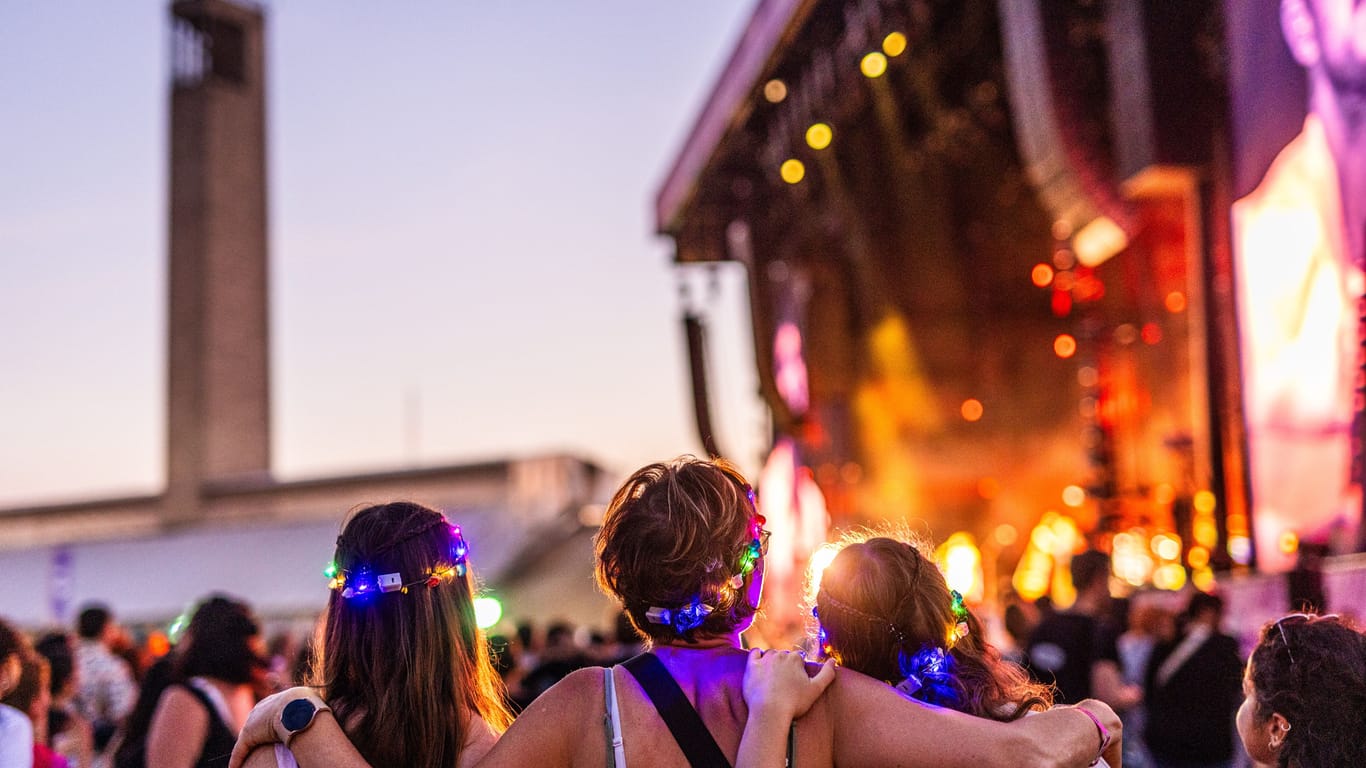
(894, 44)
(1073, 496)
(487, 611)
(1041, 275)
(873, 65)
(1064, 346)
(818, 136)
(775, 91)
(1204, 502)
(792, 170)
(971, 409)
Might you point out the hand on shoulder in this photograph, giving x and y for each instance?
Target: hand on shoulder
(780, 683)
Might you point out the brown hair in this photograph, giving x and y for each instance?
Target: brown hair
(34, 674)
(881, 602)
(1312, 670)
(675, 532)
(405, 672)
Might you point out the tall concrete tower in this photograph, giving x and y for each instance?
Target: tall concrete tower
(218, 390)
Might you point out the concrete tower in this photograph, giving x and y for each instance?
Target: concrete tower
(218, 388)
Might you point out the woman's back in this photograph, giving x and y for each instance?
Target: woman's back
(711, 679)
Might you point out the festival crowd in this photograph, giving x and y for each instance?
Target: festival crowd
(897, 669)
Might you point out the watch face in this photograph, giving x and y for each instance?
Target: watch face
(297, 715)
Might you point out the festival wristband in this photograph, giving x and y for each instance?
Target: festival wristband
(1101, 729)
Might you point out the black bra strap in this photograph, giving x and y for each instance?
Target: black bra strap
(684, 723)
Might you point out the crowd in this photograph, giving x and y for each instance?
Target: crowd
(400, 675)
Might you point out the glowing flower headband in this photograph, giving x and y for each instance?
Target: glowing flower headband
(691, 615)
(361, 582)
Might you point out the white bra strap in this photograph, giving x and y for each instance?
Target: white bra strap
(618, 745)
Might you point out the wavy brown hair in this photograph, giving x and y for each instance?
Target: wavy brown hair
(881, 601)
(673, 532)
(1312, 670)
(406, 672)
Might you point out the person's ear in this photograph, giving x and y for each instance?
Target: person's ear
(1300, 31)
(1279, 728)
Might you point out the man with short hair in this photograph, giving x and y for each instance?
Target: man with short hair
(106, 693)
(1075, 649)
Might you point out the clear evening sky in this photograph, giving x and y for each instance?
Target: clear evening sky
(463, 265)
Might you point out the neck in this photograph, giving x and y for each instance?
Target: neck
(703, 643)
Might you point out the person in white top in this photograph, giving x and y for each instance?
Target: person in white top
(16, 731)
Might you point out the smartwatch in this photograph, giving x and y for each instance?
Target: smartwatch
(298, 715)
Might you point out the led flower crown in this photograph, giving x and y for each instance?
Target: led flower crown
(691, 615)
(361, 581)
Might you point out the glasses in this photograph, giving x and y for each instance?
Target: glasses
(1280, 627)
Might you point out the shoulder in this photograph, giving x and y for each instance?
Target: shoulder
(582, 682)
(480, 740)
(180, 706)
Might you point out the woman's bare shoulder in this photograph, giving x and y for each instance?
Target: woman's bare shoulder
(553, 728)
(480, 740)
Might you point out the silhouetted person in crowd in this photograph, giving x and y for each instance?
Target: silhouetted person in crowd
(1193, 691)
(1075, 649)
(68, 731)
(106, 691)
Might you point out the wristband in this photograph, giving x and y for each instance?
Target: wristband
(1101, 729)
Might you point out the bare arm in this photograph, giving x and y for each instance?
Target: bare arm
(877, 726)
(778, 690)
(1109, 685)
(321, 745)
(179, 727)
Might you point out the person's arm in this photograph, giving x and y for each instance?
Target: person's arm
(1108, 684)
(778, 689)
(322, 744)
(877, 726)
(179, 727)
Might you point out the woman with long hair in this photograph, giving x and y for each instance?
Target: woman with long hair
(403, 667)
(884, 609)
(1305, 694)
(189, 712)
(682, 547)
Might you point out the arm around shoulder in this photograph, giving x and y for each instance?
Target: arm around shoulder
(878, 726)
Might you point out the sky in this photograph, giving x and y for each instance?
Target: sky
(463, 263)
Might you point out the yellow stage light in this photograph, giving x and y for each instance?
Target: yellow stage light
(873, 65)
(894, 44)
(792, 170)
(818, 136)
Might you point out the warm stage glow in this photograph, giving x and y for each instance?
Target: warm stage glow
(1175, 302)
(818, 136)
(873, 65)
(775, 91)
(792, 170)
(1041, 275)
(961, 562)
(1073, 496)
(1096, 242)
(1064, 346)
(972, 409)
(894, 44)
